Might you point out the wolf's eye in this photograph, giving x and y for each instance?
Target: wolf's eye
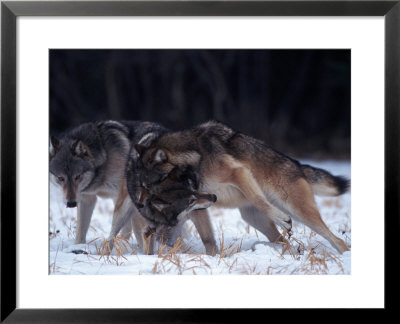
(77, 177)
(61, 179)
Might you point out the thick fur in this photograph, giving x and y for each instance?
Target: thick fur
(137, 181)
(177, 192)
(88, 161)
(167, 204)
(267, 186)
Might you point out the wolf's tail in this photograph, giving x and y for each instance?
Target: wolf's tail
(323, 183)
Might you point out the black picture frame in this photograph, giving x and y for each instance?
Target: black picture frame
(10, 10)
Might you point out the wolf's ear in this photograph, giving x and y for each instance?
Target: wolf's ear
(80, 149)
(140, 148)
(192, 178)
(191, 183)
(159, 206)
(160, 156)
(54, 145)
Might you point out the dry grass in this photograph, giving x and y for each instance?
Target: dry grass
(303, 254)
(121, 246)
(52, 266)
(228, 250)
(177, 259)
(296, 257)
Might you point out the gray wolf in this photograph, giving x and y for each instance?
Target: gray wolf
(88, 161)
(268, 187)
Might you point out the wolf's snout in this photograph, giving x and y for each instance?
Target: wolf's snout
(71, 204)
(213, 198)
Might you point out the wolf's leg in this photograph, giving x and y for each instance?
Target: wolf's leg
(85, 211)
(148, 237)
(121, 216)
(127, 230)
(245, 182)
(138, 226)
(262, 223)
(201, 221)
(173, 237)
(301, 201)
(123, 212)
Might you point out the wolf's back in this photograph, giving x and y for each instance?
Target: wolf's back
(324, 183)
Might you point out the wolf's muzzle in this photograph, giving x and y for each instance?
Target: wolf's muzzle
(71, 204)
(214, 198)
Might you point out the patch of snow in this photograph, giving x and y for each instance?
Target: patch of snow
(244, 250)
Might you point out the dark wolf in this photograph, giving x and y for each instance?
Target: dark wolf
(267, 186)
(166, 206)
(89, 161)
(181, 200)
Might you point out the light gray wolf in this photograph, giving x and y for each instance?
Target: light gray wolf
(88, 161)
(267, 186)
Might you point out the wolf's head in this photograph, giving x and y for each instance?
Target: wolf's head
(169, 201)
(165, 193)
(72, 167)
(171, 207)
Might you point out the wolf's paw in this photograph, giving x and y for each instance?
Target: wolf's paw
(269, 244)
(107, 247)
(212, 251)
(286, 224)
(300, 249)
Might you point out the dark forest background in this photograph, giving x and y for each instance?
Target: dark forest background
(297, 101)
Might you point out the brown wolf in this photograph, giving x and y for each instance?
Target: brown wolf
(267, 186)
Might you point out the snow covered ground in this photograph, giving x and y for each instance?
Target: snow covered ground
(239, 252)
